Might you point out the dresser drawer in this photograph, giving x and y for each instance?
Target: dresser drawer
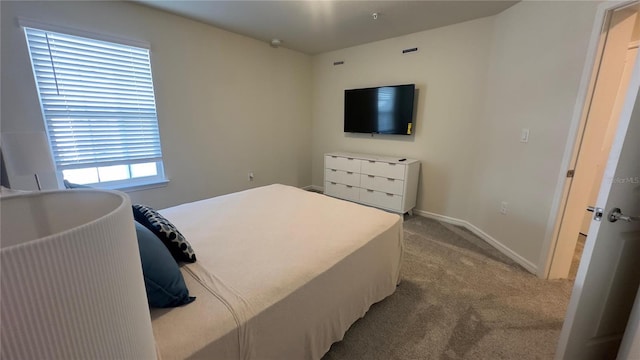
(342, 191)
(382, 184)
(381, 199)
(383, 169)
(342, 177)
(342, 163)
(379, 181)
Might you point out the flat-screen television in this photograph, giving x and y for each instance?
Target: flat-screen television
(379, 110)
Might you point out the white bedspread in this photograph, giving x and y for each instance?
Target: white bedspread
(281, 274)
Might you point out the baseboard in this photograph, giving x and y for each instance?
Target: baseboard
(528, 265)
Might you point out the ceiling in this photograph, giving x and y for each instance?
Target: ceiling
(317, 26)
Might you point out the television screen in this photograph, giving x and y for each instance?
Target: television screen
(379, 110)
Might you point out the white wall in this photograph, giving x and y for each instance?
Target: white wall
(537, 59)
(449, 70)
(226, 103)
(480, 82)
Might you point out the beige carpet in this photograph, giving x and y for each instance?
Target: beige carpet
(459, 299)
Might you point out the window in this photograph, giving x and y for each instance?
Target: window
(99, 109)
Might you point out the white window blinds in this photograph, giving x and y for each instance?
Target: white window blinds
(97, 99)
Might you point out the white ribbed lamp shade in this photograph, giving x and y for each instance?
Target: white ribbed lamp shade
(71, 278)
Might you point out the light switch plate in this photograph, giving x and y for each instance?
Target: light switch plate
(524, 135)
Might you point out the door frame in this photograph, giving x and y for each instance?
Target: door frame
(604, 271)
(576, 129)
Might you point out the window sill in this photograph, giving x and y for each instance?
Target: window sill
(154, 184)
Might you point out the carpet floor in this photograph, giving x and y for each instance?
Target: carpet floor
(459, 299)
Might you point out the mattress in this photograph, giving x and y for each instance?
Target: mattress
(282, 273)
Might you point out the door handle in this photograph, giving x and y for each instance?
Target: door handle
(616, 214)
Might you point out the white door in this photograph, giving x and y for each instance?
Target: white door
(607, 281)
(630, 347)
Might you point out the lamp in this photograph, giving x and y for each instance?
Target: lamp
(27, 154)
(71, 278)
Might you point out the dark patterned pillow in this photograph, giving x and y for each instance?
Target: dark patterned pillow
(178, 246)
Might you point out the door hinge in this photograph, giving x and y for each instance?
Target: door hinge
(570, 173)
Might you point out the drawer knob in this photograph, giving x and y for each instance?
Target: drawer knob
(349, 186)
(349, 158)
(392, 164)
(371, 161)
(389, 194)
(334, 170)
(332, 183)
(349, 172)
(369, 190)
(390, 179)
(370, 176)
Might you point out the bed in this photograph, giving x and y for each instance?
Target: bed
(282, 273)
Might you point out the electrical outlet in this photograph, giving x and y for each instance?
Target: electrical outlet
(250, 176)
(503, 207)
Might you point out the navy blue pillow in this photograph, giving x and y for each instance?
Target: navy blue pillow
(162, 277)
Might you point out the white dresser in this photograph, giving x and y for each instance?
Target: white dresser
(380, 181)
